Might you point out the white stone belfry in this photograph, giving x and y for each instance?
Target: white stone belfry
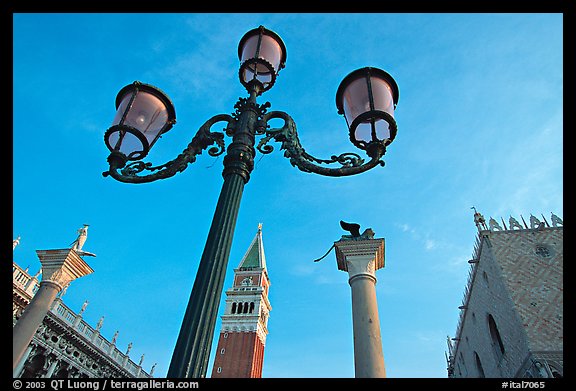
(361, 259)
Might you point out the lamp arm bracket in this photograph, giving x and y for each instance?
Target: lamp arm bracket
(287, 135)
(203, 139)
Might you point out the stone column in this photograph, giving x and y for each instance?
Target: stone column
(361, 259)
(52, 367)
(16, 372)
(59, 268)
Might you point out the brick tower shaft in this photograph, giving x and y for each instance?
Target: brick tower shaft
(240, 351)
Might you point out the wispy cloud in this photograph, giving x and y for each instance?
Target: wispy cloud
(453, 259)
(534, 167)
(317, 274)
(303, 269)
(424, 239)
(430, 244)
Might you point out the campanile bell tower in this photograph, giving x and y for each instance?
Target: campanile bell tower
(240, 351)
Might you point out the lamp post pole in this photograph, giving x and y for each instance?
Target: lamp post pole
(144, 113)
(192, 351)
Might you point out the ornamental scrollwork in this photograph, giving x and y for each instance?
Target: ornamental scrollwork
(204, 139)
(245, 104)
(287, 135)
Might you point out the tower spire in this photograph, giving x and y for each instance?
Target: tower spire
(254, 256)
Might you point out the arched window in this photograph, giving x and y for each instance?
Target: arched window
(465, 371)
(556, 374)
(497, 344)
(62, 372)
(233, 308)
(485, 276)
(479, 368)
(34, 366)
(251, 307)
(245, 311)
(555, 369)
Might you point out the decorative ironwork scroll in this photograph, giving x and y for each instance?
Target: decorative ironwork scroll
(287, 135)
(203, 139)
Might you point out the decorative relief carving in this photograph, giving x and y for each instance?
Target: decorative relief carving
(349, 253)
(62, 266)
(361, 265)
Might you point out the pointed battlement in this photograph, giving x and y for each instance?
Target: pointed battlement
(514, 224)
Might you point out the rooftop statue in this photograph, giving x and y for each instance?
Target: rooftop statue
(77, 244)
(354, 230)
(479, 220)
(15, 243)
(84, 305)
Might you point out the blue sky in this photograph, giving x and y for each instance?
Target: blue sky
(480, 123)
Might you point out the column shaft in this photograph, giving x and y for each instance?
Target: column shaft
(361, 259)
(52, 368)
(368, 356)
(17, 371)
(59, 268)
(32, 318)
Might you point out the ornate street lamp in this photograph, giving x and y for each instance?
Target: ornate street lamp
(143, 114)
(367, 98)
(262, 54)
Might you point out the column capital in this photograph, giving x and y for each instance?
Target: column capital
(62, 266)
(360, 257)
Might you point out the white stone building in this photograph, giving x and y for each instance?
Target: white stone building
(511, 319)
(65, 346)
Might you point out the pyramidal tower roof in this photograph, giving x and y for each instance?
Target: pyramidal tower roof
(254, 257)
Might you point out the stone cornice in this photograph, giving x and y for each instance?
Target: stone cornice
(86, 346)
(349, 250)
(246, 327)
(62, 266)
